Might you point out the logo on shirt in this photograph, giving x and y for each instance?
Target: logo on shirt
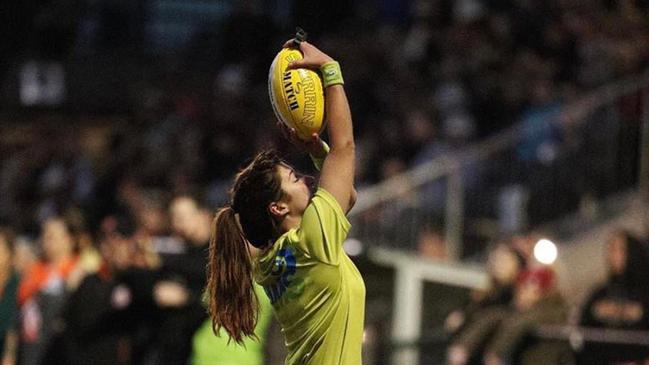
(284, 267)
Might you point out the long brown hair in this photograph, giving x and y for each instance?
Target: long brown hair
(233, 304)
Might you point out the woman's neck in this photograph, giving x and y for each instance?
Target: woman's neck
(290, 222)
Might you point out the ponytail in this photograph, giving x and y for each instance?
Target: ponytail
(233, 304)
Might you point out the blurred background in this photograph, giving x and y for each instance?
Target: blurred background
(503, 174)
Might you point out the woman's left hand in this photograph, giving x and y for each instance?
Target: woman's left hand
(315, 146)
(491, 358)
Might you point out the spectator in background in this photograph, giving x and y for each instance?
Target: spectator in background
(537, 302)
(538, 148)
(8, 300)
(25, 255)
(138, 275)
(89, 258)
(423, 135)
(503, 267)
(181, 280)
(43, 291)
(505, 330)
(431, 243)
(99, 315)
(402, 220)
(148, 207)
(622, 302)
(523, 245)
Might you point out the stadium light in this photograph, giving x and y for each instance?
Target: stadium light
(545, 252)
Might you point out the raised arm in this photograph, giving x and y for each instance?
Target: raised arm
(337, 174)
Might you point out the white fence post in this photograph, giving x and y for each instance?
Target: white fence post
(406, 321)
(411, 273)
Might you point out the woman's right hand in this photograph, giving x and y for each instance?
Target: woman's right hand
(457, 355)
(313, 58)
(454, 321)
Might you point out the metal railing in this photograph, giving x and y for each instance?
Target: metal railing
(392, 211)
(396, 208)
(436, 341)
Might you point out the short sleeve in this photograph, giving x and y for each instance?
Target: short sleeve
(323, 229)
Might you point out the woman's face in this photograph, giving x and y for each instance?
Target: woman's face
(24, 257)
(184, 216)
(117, 251)
(503, 265)
(57, 240)
(616, 254)
(296, 191)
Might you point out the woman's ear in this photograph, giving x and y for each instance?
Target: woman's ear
(278, 209)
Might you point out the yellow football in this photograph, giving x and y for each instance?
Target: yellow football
(297, 95)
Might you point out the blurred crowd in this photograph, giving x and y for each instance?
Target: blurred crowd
(425, 78)
(131, 294)
(107, 219)
(501, 324)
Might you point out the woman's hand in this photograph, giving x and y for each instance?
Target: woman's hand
(315, 146)
(454, 321)
(457, 355)
(313, 58)
(169, 294)
(491, 358)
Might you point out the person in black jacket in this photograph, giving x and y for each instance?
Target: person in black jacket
(8, 300)
(503, 267)
(105, 313)
(500, 334)
(621, 303)
(180, 281)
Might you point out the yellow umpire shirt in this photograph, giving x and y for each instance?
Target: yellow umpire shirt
(316, 291)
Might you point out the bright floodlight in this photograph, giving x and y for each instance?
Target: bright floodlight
(353, 247)
(545, 252)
